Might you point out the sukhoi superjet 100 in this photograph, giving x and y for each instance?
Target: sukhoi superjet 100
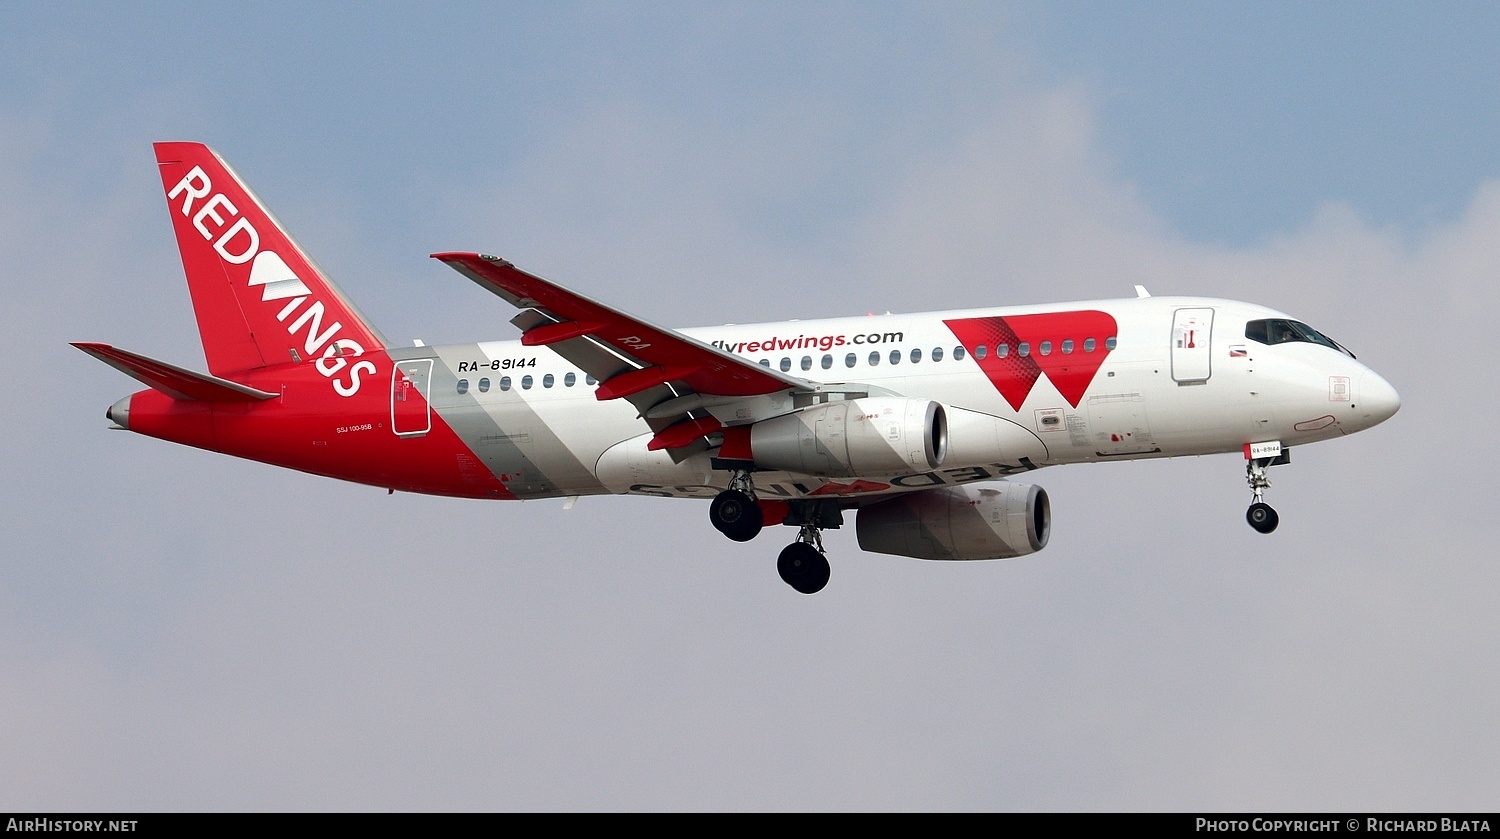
(922, 428)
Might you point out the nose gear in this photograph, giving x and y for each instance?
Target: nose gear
(1261, 515)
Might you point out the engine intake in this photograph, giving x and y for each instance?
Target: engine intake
(995, 521)
(861, 437)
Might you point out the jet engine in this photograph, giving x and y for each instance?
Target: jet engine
(860, 437)
(994, 521)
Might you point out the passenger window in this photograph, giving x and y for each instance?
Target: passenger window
(895, 356)
(1088, 344)
(916, 355)
(1002, 350)
(505, 383)
(590, 380)
(1110, 342)
(958, 353)
(570, 380)
(463, 385)
(1045, 348)
(980, 352)
(937, 353)
(1067, 346)
(547, 380)
(766, 363)
(786, 365)
(875, 358)
(525, 383)
(806, 362)
(850, 360)
(1023, 349)
(484, 385)
(827, 362)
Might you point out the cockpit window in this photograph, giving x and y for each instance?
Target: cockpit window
(1278, 331)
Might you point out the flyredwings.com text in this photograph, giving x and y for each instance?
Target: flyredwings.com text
(1371, 825)
(70, 825)
(809, 342)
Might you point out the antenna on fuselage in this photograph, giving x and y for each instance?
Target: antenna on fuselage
(1140, 291)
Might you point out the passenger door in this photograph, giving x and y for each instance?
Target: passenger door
(1192, 331)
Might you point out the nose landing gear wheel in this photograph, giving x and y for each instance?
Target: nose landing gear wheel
(803, 567)
(736, 515)
(1262, 517)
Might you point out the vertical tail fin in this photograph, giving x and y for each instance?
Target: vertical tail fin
(258, 298)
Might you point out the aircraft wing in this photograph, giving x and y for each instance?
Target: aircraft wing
(633, 359)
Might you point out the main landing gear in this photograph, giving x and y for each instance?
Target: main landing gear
(734, 511)
(1261, 515)
(802, 564)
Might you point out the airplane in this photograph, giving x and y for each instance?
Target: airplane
(916, 424)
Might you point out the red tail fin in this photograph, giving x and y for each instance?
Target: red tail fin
(258, 298)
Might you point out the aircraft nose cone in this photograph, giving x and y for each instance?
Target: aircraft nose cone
(1378, 401)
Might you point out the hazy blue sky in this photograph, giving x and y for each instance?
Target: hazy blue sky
(179, 630)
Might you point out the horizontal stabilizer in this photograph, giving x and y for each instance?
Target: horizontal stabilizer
(173, 380)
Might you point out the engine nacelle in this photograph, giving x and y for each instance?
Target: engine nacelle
(861, 437)
(993, 521)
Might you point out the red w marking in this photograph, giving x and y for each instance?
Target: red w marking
(1015, 375)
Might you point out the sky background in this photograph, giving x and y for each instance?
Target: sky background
(184, 631)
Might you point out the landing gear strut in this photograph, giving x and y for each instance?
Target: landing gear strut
(734, 512)
(1261, 516)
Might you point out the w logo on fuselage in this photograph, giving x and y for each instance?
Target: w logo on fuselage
(1067, 347)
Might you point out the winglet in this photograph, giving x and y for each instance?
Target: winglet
(172, 380)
